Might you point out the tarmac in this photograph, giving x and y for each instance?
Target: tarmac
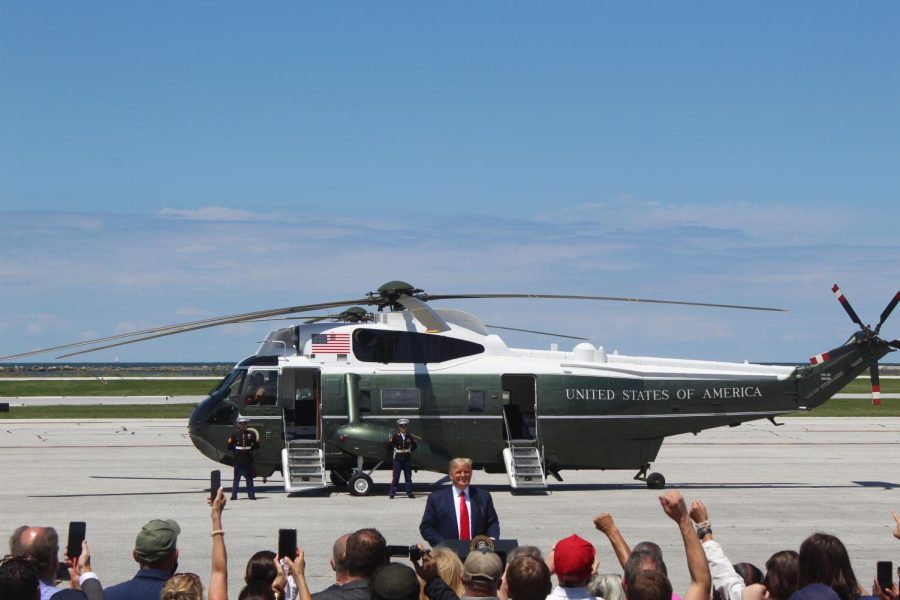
(766, 489)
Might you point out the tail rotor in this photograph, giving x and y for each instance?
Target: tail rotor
(866, 335)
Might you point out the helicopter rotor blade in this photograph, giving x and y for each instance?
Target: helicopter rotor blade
(306, 319)
(846, 304)
(876, 383)
(164, 330)
(424, 314)
(559, 335)
(887, 311)
(428, 297)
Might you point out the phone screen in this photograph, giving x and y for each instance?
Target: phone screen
(77, 531)
(215, 482)
(287, 542)
(885, 573)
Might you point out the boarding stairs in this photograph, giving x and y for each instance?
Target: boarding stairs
(523, 458)
(303, 466)
(524, 465)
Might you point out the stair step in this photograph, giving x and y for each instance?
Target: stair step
(523, 463)
(304, 466)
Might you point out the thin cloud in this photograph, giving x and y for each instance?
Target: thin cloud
(211, 213)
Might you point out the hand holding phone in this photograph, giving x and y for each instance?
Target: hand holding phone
(215, 482)
(77, 530)
(287, 542)
(884, 569)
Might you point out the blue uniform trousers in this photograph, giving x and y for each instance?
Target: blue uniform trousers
(247, 472)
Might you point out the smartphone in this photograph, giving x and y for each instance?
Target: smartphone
(287, 542)
(411, 552)
(77, 530)
(885, 573)
(215, 482)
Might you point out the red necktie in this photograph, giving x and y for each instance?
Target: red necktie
(463, 518)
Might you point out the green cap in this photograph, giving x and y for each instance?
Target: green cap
(156, 540)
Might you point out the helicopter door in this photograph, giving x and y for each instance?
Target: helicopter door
(300, 400)
(519, 405)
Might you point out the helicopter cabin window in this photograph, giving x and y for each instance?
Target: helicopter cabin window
(365, 401)
(476, 401)
(374, 345)
(260, 388)
(400, 398)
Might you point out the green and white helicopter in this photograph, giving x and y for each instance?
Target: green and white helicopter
(324, 395)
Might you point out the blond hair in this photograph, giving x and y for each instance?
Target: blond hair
(461, 461)
(450, 569)
(182, 586)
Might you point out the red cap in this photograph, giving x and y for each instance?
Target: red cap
(573, 556)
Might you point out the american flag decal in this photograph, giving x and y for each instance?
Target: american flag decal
(331, 343)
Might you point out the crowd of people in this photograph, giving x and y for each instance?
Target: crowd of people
(819, 569)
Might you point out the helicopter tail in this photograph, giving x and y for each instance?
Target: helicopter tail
(832, 370)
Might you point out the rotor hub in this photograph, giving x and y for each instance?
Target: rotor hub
(388, 295)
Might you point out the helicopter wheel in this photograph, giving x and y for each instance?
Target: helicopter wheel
(360, 485)
(340, 476)
(656, 481)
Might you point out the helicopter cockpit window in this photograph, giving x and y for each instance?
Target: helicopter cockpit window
(375, 345)
(400, 398)
(234, 388)
(476, 401)
(260, 388)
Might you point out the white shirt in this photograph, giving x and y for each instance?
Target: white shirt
(722, 571)
(571, 593)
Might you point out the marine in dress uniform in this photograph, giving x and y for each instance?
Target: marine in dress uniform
(242, 442)
(403, 445)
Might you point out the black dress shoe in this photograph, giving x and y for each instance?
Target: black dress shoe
(410, 495)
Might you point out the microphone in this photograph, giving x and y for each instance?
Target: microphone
(483, 522)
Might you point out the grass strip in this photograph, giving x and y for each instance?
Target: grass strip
(853, 407)
(143, 387)
(109, 411)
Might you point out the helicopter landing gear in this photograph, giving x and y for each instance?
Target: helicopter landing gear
(654, 481)
(340, 476)
(360, 485)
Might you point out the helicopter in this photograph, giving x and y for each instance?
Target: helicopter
(323, 395)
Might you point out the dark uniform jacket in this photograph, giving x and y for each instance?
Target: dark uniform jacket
(243, 443)
(402, 447)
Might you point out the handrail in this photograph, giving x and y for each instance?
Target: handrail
(506, 426)
(538, 442)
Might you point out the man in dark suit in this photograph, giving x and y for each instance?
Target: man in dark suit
(459, 512)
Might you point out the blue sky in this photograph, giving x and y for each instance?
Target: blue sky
(163, 162)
